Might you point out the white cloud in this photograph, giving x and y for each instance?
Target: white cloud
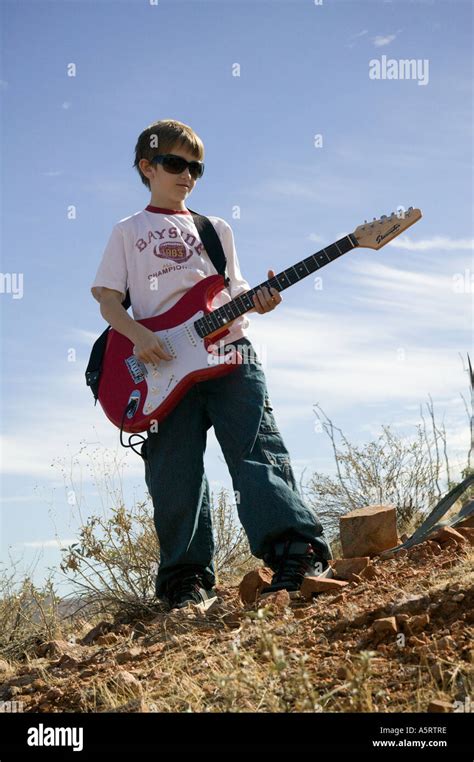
(47, 543)
(382, 40)
(439, 242)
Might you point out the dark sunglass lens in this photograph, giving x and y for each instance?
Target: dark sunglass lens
(174, 164)
(196, 169)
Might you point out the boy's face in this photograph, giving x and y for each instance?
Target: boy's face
(164, 184)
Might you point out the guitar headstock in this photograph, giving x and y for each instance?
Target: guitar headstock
(375, 234)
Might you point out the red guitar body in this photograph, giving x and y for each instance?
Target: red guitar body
(149, 391)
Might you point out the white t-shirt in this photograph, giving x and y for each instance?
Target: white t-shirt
(157, 254)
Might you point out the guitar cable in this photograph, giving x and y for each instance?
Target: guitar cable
(144, 440)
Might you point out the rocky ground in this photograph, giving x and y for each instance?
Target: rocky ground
(385, 635)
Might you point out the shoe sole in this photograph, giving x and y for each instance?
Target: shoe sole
(202, 606)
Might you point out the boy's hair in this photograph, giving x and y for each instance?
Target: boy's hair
(169, 134)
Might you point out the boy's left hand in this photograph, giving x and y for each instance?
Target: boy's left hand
(266, 300)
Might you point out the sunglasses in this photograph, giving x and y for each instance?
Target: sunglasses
(176, 164)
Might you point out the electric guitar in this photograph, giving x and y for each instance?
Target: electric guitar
(134, 394)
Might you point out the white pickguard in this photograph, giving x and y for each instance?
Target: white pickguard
(189, 354)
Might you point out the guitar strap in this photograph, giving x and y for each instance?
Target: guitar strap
(213, 246)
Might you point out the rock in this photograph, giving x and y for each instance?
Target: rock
(253, 582)
(415, 642)
(345, 568)
(68, 662)
(317, 585)
(402, 621)
(386, 626)
(54, 693)
(446, 644)
(39, 684)
(280, 599)
(99, 629)
(129, 655)
(128, 682)
(439, 706)
(467, 533)
(435, 547)
(22, 680)
(448, 536)
(370, 572)
(417, 623)
(337, 599)
(368, 531)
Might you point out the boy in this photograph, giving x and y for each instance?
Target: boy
(161, 243)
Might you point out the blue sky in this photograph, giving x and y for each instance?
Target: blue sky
(385, 330)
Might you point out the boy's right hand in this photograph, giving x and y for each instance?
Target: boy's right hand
(148, 347)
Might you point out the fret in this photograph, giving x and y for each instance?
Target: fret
(229, 311)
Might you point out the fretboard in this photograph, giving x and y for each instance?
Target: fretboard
(219, 317)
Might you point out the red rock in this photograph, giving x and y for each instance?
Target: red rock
(99, 629)
(386, 625)
(280, 599)
(439, 706)
(369, 572)
(417, 623)
(467, 533)
(368, 531)
(128, 682)
(317, 585)
(129, 655)
(345, 568)
(448, 536)
(253, 582)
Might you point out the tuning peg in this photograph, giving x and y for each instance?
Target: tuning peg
(365, 222)
(383, 217)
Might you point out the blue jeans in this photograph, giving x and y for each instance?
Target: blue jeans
(268, 501)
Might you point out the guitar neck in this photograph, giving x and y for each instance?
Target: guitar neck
(219, 317)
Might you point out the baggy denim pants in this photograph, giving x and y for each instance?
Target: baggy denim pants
(268, 501)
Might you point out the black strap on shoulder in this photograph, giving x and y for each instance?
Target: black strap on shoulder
(213, 246)
(212, 243)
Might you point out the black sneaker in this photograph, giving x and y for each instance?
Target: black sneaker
(189, 589)
(292, 560)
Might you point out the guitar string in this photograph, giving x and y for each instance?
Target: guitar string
(270, 282)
